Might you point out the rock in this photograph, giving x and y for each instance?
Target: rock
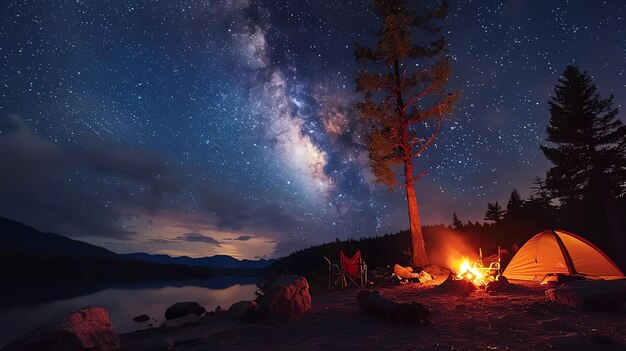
(182, 309)
(424, 276)
(285, 297)
(85, 329)
(436, 271)
(181, 322)
(404, 272)
(242, 309)
(557, 324)
(590, 294)
(141, 318)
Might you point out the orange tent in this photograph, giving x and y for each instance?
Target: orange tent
(557, 251)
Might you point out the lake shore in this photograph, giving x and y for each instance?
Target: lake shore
(525, 320)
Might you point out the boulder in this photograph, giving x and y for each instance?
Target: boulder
(242, 309)
(85, 329)
(141, 318)
(424, 276)
(590, 294)
(182, 309)
(285, 297)
(436, 271)
(181, 322)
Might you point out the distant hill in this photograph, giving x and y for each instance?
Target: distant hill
(217, 262)
(27, 254)
(18, 237)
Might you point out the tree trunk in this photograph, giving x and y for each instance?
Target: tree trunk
(420, 259)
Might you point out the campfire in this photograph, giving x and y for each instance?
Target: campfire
(473, 272)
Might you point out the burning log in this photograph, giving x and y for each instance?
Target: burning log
(499, 286)
(373, 302)
(452, 285)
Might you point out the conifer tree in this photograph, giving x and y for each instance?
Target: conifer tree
(540, 194)
(494, 212)
(456, 222)
(515, 204)
(402, 99)
(589, 141)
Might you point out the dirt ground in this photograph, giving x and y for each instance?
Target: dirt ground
(521, 321)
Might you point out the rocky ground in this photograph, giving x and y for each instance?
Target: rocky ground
(524, 320)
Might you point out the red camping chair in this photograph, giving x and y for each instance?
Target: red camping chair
(354, 269)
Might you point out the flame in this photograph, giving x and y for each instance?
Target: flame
(470, 272)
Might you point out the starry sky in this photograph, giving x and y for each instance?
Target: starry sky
(199, 127)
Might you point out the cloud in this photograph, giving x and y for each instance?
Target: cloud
(161, 241)
(231, 213)
(56, 187)
(284, 248)
(198, 237)
(241, 238)
(142, 166)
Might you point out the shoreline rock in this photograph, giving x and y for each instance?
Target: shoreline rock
(286, 297)
(141, 318)
(85, 329)
(181, 309)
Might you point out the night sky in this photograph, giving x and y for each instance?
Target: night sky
(205, 127)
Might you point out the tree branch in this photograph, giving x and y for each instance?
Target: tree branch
(432, 137)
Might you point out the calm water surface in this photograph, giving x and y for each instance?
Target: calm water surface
(23, 308)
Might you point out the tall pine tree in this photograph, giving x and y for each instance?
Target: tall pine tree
(402, 96)
(588, 150)
(589, 141)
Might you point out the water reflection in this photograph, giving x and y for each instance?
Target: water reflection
(25, 307)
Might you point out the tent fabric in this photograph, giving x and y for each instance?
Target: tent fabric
(557, 251)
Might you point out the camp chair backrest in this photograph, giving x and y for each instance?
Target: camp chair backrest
(351, 265)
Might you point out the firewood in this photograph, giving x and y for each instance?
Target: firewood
(373, 302)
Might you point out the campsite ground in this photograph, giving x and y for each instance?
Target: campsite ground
(521, 321)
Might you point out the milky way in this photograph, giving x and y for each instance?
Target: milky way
(203, 127)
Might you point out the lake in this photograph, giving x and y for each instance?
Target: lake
(23, 307)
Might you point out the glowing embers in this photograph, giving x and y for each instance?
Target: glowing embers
(473, 272)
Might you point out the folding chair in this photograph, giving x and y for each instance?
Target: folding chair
(489, 265)
(335, 276)
(354, 269)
